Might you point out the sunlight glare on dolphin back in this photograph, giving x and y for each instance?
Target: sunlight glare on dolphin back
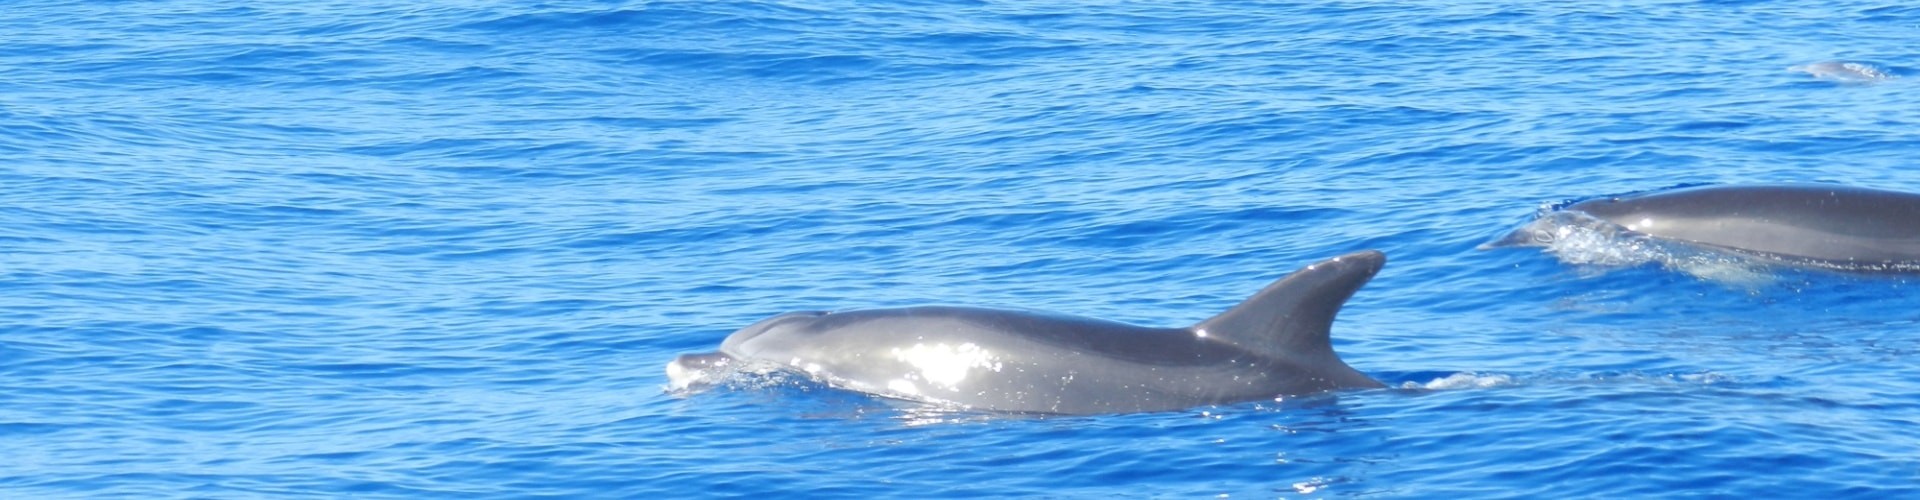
(945, 366)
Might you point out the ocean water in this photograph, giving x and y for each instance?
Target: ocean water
(348, 249)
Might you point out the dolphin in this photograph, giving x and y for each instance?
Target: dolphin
(1273, 344)
(1845, 72)
(1803, 225)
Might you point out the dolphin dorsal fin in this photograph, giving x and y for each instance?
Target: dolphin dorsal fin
(1293, 316)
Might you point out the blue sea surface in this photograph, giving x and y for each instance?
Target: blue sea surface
(352, 249)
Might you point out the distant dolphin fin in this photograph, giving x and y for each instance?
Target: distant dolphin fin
(1292, 317)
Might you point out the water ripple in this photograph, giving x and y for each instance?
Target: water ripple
(345, 249)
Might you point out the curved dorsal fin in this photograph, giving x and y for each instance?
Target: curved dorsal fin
(1292, 316)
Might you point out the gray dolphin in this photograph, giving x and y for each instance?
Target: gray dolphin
(1809, 225)
(1845, 72)
(1272, 344)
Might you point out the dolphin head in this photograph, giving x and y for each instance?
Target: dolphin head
(750, 339)
(1614, 208)
(1539, 233)
(1584, 221)
(1656, 213)
(691, 371)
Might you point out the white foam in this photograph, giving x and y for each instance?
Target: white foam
(1583, 240)
(1462, 380)
(688, 378)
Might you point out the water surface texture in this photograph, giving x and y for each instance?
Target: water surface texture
(347, 249)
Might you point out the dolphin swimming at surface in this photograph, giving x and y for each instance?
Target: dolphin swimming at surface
(1275, 343)
(1845, 72)
(1804, 225)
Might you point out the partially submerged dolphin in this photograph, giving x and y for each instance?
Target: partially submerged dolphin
(1809, 225)
(1273, 344)
(1845, 72)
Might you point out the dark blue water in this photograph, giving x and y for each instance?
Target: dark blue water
(346, 249)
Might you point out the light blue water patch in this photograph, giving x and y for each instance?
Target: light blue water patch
(342, 248)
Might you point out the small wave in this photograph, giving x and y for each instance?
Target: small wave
(1471, 380)
(1637, 377)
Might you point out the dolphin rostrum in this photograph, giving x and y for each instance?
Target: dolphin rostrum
(1805, 225)
(1270, 345)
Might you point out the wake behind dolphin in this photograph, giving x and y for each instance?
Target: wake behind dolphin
(1802, 225)
(1275, 343)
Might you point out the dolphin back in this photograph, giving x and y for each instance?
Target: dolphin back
(1838, 226)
